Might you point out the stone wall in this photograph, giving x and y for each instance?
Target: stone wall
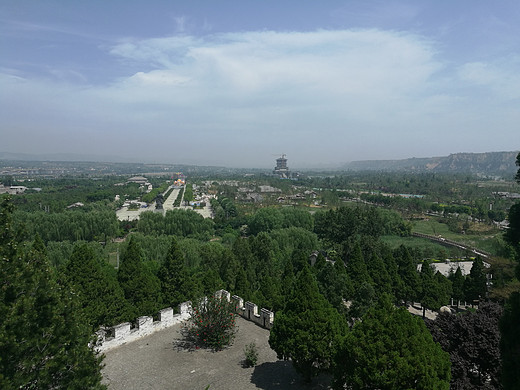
(249, 310)
(115, 336)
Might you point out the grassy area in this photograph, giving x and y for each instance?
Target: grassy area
(429, 249)
(487, 237)
(434, 228)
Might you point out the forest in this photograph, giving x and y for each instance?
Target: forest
(63, 266)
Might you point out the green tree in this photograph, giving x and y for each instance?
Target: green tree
(510, 342)
(141, 288)
(95, 284)
(334, 285)
(407, 270)
(265, 220)
(475, 285)
(357, 268)
(390, 349)
(364, 298)
(429, 288)
(307, 329)
(212, 323)
(242, 288)
(44, 341)
(379, 274)
(517, 162)
(512, 235)
(444, 289)
(510, 322)
(173, 276)
(457, 280)
(337, 226)
(210, 281)
(297, 218)
(262, 247)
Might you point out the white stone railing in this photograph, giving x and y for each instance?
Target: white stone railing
(109, 338)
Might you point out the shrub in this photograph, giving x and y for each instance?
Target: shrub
(212, 323)
(251, 352)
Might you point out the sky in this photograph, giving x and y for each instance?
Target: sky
(238, 83)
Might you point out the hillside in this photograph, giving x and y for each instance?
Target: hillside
(489, 164)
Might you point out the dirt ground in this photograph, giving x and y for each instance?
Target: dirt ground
(161, 361)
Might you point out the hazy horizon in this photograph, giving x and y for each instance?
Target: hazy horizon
(72, 158)
(234, 84)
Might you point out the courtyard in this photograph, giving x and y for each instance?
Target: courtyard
(162, 361)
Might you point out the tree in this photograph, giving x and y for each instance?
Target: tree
(100, 297)
(242, 252)
(173, 276)
(307, 329)
(472, 340)
(435, 288)
(457, 281)
(475, 285)
(357, 268)
(364, 298)
(510, 343)
(407, 269)
(510, 322)
(212, 323)
(262, 248)
(142, 289)
(265, 220)
(44, 340)
(337, 226)
(444, 289)
(379, 274)
(512, 235)
(517, 162)
(334, 284)
(390, 349)
(297, 218)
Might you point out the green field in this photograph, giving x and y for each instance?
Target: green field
(487, 238)
(429, 249)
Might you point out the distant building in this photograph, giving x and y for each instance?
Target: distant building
(12, 190)
(269, 189)
(74, 205)
(281, 168)
(138, 179)
(448, 267)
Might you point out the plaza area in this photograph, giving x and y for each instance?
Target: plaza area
(162, 361)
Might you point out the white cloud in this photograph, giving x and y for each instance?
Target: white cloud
(501, 77)
(324, 68)
(331, 95)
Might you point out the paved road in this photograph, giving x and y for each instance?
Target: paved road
(160, 362)
(168, 203)
(124, 214)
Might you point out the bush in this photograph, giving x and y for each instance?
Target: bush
(251, 352)
(212, 323)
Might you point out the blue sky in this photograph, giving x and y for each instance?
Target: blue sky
(236, 82)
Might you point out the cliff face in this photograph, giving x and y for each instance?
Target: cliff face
(489, 164)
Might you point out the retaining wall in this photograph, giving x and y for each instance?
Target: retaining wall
(115, 336)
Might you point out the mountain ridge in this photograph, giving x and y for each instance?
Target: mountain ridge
(487, 163)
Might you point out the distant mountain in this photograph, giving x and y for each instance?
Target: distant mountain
(488, 164)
